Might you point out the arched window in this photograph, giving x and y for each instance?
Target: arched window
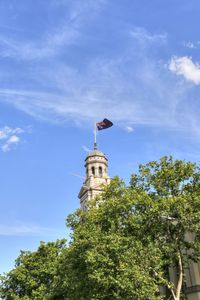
(100, 172)
(93, 171)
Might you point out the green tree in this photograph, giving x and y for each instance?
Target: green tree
(34, 273)
(171, 216)
(123, 246)
(106, 259)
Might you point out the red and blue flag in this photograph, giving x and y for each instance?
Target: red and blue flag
(104, 124)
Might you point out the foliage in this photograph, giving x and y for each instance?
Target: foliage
(172, 213)
(173, 207)
(106, 260)
(34, 273)
(123, 246)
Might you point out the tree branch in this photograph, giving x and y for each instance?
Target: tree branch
(180, 277)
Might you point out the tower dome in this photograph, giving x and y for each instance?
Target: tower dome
(96, 152)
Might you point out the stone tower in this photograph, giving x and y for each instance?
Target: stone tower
(96, 165)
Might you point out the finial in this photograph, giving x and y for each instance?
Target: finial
(95, 146)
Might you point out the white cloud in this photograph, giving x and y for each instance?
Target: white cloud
(9, 137)
(191, 45)
(130, 87)
(127, 89)
(17, 130)
(186, 67)
(129, 129)
(4, 132)
(14, 139)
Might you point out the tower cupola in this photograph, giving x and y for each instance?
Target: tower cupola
(96, 165)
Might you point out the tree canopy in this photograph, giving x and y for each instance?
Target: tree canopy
(106, 259)
(172, 215)
(34, 273)
(124, 245)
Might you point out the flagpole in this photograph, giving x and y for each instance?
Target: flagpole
(95, 136)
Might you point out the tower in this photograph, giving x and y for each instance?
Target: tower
(96, 165)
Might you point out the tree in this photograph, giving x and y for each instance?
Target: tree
(172, 213)
(106, 259)
(123, 246)
(34, 273)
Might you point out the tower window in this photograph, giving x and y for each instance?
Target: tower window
(100, 171)
(93, 171)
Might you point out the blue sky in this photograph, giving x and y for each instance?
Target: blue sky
(65, 64)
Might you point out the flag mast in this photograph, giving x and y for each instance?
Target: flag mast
(100, 125)
(95, 136)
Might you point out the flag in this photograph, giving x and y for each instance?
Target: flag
(104, 124)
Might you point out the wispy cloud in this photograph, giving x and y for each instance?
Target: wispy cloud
(20, 229)
(144, 37)
(191, 45)
(49, 46)
(132, 85)
(120, 88)
(9, 137)
(55, 40)
(85, 148)
(186, 67)
(6, 131)
(129, 129)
